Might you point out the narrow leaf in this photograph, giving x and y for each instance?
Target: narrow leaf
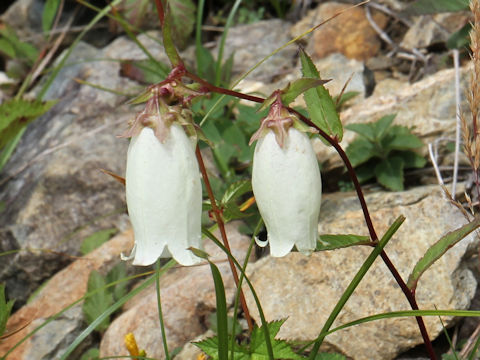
(331, 242)
(422, 7)
(389, 173)
(222, 322)
(168, 44)
(320, 104)
(5, 309)
(236, 190)
(461, 38)
(48, 15)
(437, 250)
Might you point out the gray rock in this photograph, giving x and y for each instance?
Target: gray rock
(262, 38)
(54, 192)
(305, 289)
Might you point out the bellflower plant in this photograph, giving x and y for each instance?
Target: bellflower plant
(163, 190)
(286, 182)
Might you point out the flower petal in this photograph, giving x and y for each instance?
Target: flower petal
(287, 186)
(163, 196)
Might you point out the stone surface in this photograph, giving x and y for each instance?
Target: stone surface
(428, 106)
(188, 297)
(305, 289)
(62, 290)
(252, 42)
(350, 34)
(428, 30)
(53, 189)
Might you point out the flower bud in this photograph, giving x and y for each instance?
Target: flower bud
(164, 196)
(287, 187)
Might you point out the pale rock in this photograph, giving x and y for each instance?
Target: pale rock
(188, 296)
(428, 30)
(427, 106)
(350, 33)
(62, 290)
(305, 289)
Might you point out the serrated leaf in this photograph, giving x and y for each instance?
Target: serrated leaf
(5, 309)
(98, 302)
(95, 240)
(48, 15)
(437, 250)
(236, 190)
(389, 173)
(360, 151)
(320, 104)
(330, 356)
(298, 87)
(367, 130)
(382, 125)
(401, 138)
(411, 159)
(210, 347)
(461, 38)
(281, 349)
(183, 20)
(338, 241)
(422, 7)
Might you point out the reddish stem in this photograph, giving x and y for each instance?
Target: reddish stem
(221, 226)
(160, 11)
(409, 294)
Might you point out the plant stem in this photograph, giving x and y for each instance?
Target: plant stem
(409, 294)
(221, 226)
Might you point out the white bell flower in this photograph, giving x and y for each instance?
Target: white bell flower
(164, 195)
(287, 185)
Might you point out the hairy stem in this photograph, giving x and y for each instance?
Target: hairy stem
(221, 226)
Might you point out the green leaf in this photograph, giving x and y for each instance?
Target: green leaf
(400, 138)
(360, 151)
(345, 97)
(205, 63)
(48, 15)
(330, 356)
(365, 171)
(281, 349)
(118, 272)
(236, 190)
(320, 104)
(367, 130)
(183, 20)
(167, 32)
(95, 240)
(213, 318)
(222, 322)
(334, 241)
(389, 173)
(422, 7)
(411, 159)
(98, 302)
(382, 125)
(7, 48)
(298, 87)
(91, 354)
(5, 309)
(437, 250)
(210, 347)
(461, 38)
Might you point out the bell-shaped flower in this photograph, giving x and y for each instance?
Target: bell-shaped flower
(163, 190)
(286, 183)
